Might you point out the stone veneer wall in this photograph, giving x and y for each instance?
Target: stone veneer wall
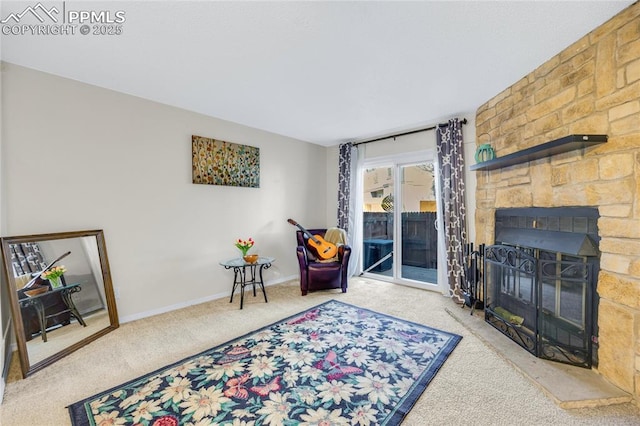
(592, 87)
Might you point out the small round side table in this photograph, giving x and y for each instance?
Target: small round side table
(247, 274)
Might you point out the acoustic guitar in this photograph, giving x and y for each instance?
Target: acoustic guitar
(324, 249)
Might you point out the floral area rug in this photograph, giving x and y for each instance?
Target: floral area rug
(334, 364)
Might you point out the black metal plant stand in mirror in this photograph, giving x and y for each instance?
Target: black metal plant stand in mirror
(66, 294)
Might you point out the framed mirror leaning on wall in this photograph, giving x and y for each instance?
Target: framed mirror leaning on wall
(60, 292)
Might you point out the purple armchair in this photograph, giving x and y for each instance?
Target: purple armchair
(316, 275)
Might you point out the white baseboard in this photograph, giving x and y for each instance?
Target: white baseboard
(129, 318)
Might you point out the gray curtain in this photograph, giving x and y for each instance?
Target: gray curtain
(350, 201)
(344, 186)
(26, 258)
(451, 167)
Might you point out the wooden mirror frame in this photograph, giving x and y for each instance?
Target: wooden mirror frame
(18, 327)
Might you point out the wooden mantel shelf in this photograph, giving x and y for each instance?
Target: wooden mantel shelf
(558, 146)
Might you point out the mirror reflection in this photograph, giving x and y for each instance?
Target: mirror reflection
(61, 294)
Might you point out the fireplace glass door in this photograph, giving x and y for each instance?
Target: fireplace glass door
(541, 301)
(564, 318)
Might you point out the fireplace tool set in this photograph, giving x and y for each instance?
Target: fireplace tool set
(472, 283)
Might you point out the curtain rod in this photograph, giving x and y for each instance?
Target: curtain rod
(426, 129)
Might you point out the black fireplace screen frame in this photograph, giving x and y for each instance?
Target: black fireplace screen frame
(540, 281)
(526, 299)
(505, 266)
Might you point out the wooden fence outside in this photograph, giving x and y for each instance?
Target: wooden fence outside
(419, 235)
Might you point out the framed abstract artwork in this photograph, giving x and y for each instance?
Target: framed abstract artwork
(216, 162)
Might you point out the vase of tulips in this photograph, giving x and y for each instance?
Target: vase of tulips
(54, 275)
(244, 246)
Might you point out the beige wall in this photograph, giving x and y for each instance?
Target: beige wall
(592, 87)
(78, 157)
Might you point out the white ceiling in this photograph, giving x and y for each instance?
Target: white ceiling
(322, 72)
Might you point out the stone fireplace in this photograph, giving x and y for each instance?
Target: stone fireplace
(591, 87)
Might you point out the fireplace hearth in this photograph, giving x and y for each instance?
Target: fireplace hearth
(540, 281)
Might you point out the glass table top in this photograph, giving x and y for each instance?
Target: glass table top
(239, 262)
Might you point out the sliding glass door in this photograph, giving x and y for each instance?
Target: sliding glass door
(419, 237)
(400, 233)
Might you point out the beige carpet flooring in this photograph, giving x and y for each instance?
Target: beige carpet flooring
(475, 385)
